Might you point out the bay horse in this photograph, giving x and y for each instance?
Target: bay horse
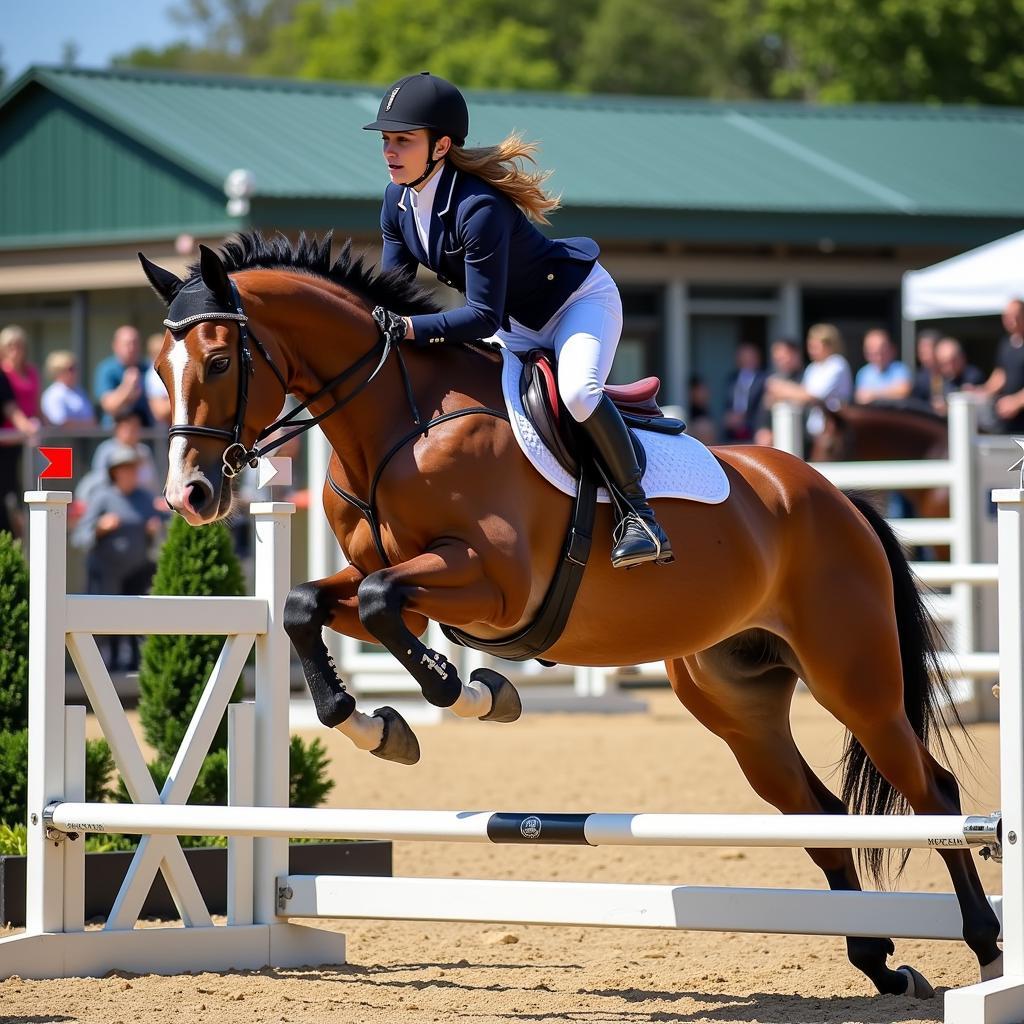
(468, 534)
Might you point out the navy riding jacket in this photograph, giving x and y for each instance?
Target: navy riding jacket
(482, 244)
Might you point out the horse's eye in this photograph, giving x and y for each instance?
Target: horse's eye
(220, 364)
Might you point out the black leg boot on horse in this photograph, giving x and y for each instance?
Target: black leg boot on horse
(638, 537)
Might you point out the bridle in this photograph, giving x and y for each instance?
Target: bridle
(236, 456)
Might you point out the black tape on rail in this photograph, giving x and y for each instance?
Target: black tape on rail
(527, 829)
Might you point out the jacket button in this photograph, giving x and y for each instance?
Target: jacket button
(551, 277)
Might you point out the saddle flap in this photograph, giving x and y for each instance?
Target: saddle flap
(538, 389)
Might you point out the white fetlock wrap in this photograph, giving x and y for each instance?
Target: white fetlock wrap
(993, 970)
(474, 701)
(365, 731)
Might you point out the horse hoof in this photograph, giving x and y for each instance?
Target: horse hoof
(992, 970)
(918, 986)
(399, 744)
(505, 703)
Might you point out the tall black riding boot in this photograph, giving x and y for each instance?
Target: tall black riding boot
(638, 537)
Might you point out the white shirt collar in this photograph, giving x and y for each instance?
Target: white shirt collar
(423, 205)
(424, 199)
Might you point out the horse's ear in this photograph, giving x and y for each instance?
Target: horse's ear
(214, 276)
(164, 283)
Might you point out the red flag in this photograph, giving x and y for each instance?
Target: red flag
(58, 464)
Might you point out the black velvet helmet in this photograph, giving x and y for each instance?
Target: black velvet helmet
(423, 101)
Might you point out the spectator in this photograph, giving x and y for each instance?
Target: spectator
(699, 423)
(957, 374)
(21, 374)
(117, 528)
(63, 402)
(1005, 384)
(10, 456)
(787, 364)
(883, 378)
(827, 380)
(156, 393)
(927, 380)
(127, 431)
(118, 384)
(12, 418)
(745, 391)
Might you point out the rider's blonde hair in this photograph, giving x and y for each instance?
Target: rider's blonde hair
(498, 166)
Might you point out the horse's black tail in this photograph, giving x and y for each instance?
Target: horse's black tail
(926, 696)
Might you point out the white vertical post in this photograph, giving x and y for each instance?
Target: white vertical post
(1011, 722)
(790, 318)
(323, 557)
(44, 888)
(788, 428)
(964, 511)
(677, 345)
(1001, 1000)
(273, 683)
(241, 793)
(74, 789)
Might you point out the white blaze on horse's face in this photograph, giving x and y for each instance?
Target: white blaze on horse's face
(189, 489)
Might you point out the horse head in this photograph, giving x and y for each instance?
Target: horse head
(218, 403)
(833, 443)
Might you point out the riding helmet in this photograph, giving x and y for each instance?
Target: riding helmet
(423, 101)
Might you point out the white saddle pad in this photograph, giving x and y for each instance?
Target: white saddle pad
(678, 466)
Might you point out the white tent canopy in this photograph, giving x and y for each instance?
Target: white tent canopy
(976, 283)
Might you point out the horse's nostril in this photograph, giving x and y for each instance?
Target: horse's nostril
(198, 495)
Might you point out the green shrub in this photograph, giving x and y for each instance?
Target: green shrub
(309, 776)
(99, 765)
(13, 776)
(194, 561)
(13, 635)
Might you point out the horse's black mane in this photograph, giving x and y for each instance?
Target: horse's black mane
(249, 250)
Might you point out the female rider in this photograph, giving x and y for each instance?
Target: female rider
(466, 215)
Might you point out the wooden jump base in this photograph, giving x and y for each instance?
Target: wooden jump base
(262, 895)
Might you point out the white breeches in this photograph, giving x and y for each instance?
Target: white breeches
(583, 334)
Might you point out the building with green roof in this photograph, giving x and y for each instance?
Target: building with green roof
(722, 222)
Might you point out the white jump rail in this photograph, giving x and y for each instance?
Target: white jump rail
(262, 893)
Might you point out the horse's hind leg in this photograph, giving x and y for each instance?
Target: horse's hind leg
(860, 687)
(752, 715)
(332, 602)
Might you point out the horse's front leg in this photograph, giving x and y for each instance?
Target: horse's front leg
(446, 584)
(333, 602)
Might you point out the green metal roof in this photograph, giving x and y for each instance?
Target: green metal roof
(626, 155)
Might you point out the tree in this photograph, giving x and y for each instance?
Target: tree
(661, 47)
(477, 43)
(234, 34)
(930, 51)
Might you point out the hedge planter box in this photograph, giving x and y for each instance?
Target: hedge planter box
(104, 873)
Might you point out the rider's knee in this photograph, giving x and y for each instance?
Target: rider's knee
(580, 397)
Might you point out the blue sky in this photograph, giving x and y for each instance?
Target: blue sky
(34, 31)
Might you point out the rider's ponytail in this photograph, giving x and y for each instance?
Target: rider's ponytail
(498, 166)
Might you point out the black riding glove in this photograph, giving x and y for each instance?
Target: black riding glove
(390, 325)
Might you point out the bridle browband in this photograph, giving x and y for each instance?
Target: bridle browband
(236, 456)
